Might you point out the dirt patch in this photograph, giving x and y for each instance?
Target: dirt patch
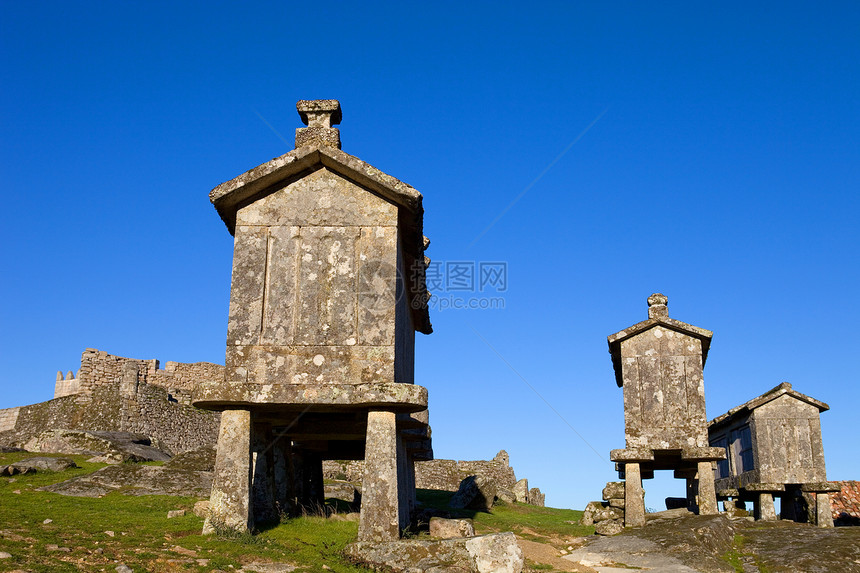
(548, 555)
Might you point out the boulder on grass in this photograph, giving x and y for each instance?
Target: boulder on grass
(521, 490)
(476, 492)
(43, 464)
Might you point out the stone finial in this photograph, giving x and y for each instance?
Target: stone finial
(69, 375)
(319, 116)
(658, 306)
(59, 375)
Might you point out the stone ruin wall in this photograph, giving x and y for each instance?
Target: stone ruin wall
(156, 405)
(99, 368)
(433, 474)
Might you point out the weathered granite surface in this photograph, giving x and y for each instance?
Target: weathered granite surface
(497, 553)
(327, 293)
(774, 448)
(658, 363)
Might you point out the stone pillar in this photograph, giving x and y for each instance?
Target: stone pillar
(765, 510)
(263, 474)
(692, 493)
(230, 501)
(410, 473)
(823, 511)
(282, 474)
(403, 484)
(788, 505)
(707, 491)
(634, 500)
(314, 495)
(380, 519)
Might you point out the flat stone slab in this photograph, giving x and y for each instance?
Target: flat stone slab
(399, 397)
(132, 479)
(496, 553)
(614, 553)
(122, 446)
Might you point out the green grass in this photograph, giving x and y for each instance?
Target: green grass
(143, 536)
(146, 540)
(527, 521)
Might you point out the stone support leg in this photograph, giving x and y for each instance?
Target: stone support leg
(263, 474)
(403, 494)
(692, 493)
(380, 519)
(230, 501)
(765, 510)
(634, 500)
(823, 511)
(707, 492)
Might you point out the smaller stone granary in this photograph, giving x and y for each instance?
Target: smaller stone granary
(327, 293)
(774, 448)
(658, 362)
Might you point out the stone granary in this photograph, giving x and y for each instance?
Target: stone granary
(327, 293)
(658, 363)
(773, 445)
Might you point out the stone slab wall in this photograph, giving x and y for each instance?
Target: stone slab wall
(846, 503)
(787, 441)
(313, 293)
(434, 474)
(8, 417)
(664, 392)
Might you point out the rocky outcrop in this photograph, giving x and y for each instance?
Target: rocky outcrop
(445, 475)
(38, 464)
(188, 474)
(497, 553)
(114, 446)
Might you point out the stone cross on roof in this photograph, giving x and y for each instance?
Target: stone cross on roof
(319, 115)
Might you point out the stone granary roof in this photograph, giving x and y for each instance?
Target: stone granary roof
(772, 394)
(315, 152)
(658, 315)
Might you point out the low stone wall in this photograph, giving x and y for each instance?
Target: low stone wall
(434, 474)
(124, 394)
(846, 503)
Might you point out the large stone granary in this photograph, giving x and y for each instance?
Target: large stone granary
(658, 362)
(774, 449)
(327, 293)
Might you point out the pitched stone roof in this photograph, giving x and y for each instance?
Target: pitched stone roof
(658, 316)
(230, 196)
(772, 394)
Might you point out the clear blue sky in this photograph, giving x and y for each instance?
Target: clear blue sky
(724, 172)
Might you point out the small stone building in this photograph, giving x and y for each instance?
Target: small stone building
(774, 448)
(327, 294)
(658, 362)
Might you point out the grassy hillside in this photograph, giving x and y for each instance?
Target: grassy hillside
(98, 534)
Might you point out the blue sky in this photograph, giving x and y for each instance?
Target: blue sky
(722, 170)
